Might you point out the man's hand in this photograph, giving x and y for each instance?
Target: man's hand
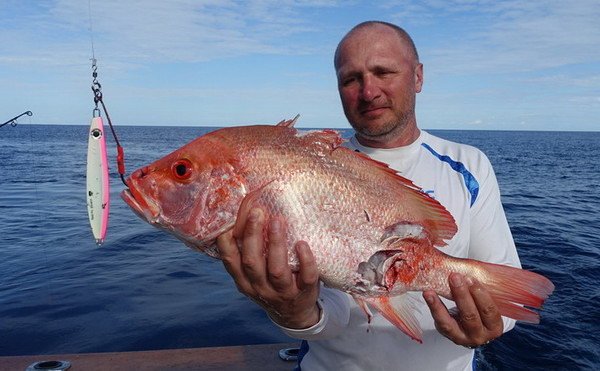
(478, 320)
(262, 272)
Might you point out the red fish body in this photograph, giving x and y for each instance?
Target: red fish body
(373, 233)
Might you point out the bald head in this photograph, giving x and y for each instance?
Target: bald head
(379, 75)
(402, 35)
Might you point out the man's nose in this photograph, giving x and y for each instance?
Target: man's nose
(369, 90)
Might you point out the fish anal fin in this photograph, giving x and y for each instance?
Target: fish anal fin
(363, 305)
(399, 311)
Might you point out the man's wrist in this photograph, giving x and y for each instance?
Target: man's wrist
(300, 321)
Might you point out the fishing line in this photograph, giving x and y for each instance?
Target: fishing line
(33, 214)
(35, 169)
(91, 29)
(97, 89)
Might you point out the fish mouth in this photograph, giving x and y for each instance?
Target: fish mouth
(144, 208)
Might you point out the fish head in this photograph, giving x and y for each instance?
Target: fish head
(193, 193)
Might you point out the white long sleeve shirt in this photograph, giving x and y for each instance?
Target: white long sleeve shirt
(461, 178)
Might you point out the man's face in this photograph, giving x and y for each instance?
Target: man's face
(378, 78)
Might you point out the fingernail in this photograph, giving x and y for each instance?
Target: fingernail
(275, 225)
(456, 279)
(428, 298)
(301, 247)
(254, 215)
(469, 281)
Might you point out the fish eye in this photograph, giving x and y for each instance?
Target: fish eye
(182, 169)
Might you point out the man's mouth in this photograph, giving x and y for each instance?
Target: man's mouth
(373, 111)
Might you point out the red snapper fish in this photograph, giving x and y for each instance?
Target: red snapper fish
(373, 233)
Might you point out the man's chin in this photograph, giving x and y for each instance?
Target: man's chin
(373, 129)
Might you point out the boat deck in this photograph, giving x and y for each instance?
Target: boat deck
(245, 357)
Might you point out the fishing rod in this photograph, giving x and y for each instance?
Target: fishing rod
(13, 121)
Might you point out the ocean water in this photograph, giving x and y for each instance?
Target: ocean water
(144, 290)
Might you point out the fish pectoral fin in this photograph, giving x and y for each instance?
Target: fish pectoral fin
(399, 311)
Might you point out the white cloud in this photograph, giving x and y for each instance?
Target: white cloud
(507, 36)
(156, 30)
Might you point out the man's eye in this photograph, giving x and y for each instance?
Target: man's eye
(383, 72)
(348, 81)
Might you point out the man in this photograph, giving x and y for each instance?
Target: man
(379, 75)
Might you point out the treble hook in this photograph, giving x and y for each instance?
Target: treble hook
(13, 121)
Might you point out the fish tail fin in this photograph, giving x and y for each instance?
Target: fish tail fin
(513, 288)
(399, 311)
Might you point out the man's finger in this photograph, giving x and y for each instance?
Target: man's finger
(252, 249)
(444, 322)
(230, 256)
(468, 314)
(488, 310)
(308, 275)
(280, 274)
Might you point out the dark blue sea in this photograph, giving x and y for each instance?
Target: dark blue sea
(144, 290)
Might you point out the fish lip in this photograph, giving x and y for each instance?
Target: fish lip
(143, 208)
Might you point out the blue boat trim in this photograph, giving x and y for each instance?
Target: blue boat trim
(470, 182)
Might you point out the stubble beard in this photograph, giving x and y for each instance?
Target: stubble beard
(388, 130)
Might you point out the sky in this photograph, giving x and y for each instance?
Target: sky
(489, 65)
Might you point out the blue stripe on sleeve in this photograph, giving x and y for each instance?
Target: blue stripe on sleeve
(470, 182)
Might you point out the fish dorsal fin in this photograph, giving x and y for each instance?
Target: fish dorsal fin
(288, 123)
(438, 219)
(387, 169)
